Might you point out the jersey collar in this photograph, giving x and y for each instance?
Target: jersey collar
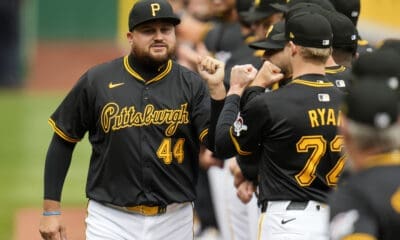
(312, 80)
(384, 159)
(137, 75)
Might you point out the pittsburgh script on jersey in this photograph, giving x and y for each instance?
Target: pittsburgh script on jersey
(323, 117)
(114, 118)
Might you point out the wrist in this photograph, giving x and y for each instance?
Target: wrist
(235, 90)
(51, 213)
(217, 92)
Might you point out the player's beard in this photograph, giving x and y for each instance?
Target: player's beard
(146, 58)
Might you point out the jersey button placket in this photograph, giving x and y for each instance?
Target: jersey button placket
(146, 93)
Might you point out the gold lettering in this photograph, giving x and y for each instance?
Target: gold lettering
(324, 117)
(155, 7)
(321, 113)
(112, 118)
(109, 111)
(312, 114)
(331, 120)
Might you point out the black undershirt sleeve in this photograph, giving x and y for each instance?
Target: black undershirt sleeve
(249, 166)
(249, 93)
(216, 108)
(58, 160)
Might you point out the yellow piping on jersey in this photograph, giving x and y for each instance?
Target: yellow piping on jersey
(385, 159)
(203, 134)
(311, 83)
(362, 42)
(336, 70)
(359, 236)
(60, 133)
(156, 78)
(237, 146)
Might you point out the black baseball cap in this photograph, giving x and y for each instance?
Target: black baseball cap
(371, 103)
(150, 10)
(305, 7)
(307, 29)
(344, 32)
(268, 43)
(382, 64)
(259, 10)
(325, 4)
(350, 8)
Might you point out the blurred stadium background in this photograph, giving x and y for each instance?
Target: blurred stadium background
(55, 42)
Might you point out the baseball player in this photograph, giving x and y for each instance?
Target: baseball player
(293, 132)
(352, 9)
(366, 204)
(344, 42)
(145, 137)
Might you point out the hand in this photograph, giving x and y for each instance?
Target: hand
(207, 159)
(213, 72)
(245, 191)
(267, 75)
(241, 76)
(51, 228)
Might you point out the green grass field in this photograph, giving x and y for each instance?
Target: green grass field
(25, 136)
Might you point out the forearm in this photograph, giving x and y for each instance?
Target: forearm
(58, 160)
(249, 93)
(218, 91)
(225, 148)
(249, 165)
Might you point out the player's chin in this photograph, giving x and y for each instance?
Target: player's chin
(161, 56)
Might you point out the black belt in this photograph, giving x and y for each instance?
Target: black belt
(293, 205)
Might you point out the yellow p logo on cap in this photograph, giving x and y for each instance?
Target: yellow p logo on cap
(155, 7)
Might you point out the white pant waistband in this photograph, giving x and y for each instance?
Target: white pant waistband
(280, 206)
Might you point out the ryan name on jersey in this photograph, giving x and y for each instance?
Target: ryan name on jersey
(324, 117)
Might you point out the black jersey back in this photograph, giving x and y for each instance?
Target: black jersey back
(339, 76)
(296, 129)
(145, 135)
(369, 202)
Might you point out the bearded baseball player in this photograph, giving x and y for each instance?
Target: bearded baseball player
(146, 117)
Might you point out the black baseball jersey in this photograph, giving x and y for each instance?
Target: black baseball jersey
(295, 130)
(366, 205)
(339, 76)
(145, 135)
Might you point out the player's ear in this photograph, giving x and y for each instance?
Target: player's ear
(129, 36)
(293, 48)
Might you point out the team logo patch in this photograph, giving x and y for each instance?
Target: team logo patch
(340, 83)
(239, 126)
(323, 97)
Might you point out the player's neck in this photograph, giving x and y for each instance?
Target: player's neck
(307, 68)
(145, 70)
(330, 62)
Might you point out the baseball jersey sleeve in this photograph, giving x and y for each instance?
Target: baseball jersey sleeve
(240, 133)
(71, 119)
